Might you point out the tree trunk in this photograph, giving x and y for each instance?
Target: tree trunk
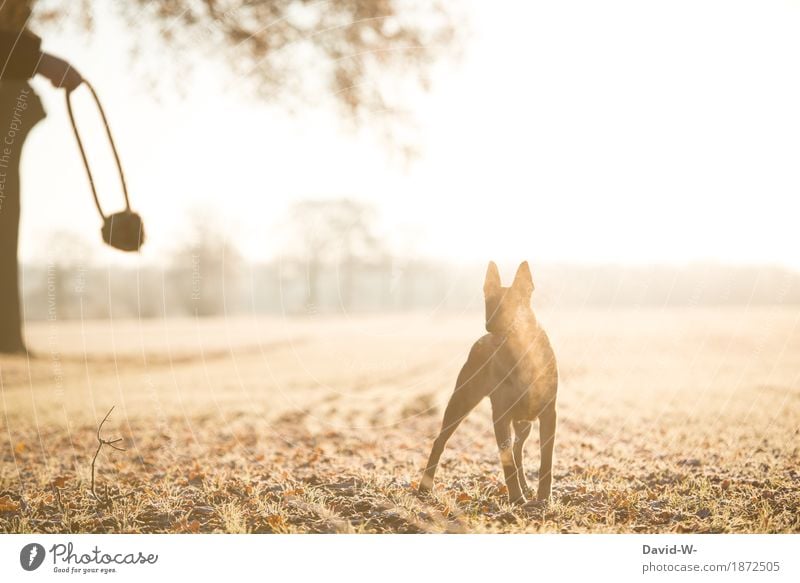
(20, 110)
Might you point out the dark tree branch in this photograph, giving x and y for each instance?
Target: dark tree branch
(112, 444)
(349, 52)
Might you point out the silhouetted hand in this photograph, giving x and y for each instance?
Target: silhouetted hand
(59, 72)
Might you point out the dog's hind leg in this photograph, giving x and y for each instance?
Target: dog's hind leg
(461, 403)
(522, 429)
(547, 438)
(471, 387)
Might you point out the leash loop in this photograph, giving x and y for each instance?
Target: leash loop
(83, 151)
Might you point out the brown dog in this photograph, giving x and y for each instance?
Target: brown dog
(515, 367)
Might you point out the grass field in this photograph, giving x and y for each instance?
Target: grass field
(675, 420)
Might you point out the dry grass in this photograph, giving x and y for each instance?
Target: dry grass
(675, 420)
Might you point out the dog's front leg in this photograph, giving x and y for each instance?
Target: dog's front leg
(547, 439)
(522, 429)
(502, 432)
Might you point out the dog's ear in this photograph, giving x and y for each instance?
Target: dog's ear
(492, 282)
(523, 281)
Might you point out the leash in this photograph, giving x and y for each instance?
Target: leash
(122, 230)
(83, 151)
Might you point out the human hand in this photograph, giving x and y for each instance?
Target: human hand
(59, 72)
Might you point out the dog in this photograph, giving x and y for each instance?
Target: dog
(515, 366)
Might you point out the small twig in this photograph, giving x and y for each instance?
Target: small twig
(112, 444)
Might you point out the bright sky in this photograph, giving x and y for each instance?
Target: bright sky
(634, 131)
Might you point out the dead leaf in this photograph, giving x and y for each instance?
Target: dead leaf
(20, 447)
(195, 476)
(8, 505)
(60, 481)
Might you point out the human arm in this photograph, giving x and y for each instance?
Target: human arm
(21, 58)
(19, 54)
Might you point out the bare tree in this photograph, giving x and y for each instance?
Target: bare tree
(337, 234)
(68, 258)
(205, 270)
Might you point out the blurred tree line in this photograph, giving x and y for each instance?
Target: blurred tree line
(335, 259)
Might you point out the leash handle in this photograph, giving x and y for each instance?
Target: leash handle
(83, 151)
